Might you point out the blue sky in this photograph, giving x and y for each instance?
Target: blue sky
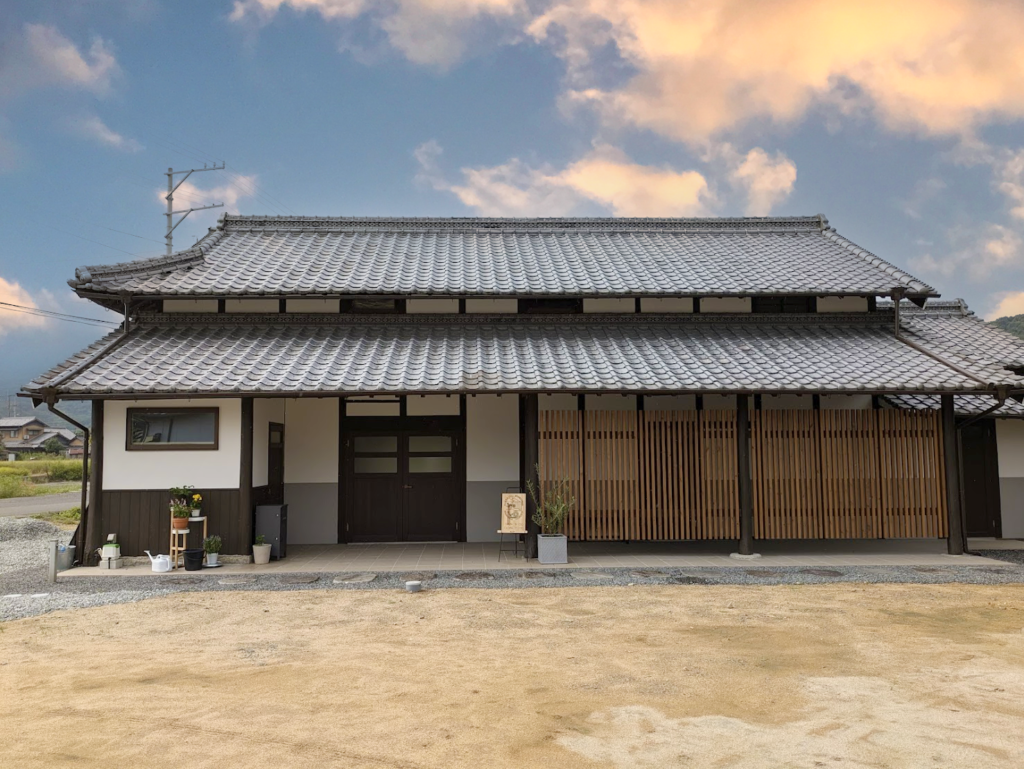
(900, 122)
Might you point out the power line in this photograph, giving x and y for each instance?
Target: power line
(58, 315)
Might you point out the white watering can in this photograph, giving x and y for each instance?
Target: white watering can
(161, 563)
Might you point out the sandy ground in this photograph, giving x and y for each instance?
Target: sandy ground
(808, 676)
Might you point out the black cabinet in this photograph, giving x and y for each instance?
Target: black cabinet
(272, 523)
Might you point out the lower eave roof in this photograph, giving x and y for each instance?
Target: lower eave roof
(310, 355)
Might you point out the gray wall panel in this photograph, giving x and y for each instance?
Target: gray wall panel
(312, 513)
(483, 509)
(1011, 493)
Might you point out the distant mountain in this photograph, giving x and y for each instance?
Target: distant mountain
(1012, 323)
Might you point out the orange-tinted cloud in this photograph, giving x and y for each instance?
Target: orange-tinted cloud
(11, 318)
(605, 177)
(704, 67)
(1010, 303)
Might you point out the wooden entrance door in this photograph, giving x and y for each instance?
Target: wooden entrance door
(403, 484)
(981, 479)
(275, 464)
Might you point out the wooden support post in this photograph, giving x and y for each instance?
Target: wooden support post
(94, 520)
(952, 461)
(746, 546)
(245, 509)
(529, 412)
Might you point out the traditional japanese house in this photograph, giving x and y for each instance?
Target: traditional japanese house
(388, 378)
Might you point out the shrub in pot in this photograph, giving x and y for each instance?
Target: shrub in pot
(179, 515)
(212, 545)
(261, 551)
(553, 502)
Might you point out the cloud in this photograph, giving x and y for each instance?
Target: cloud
(42, 56)
(1008, 303)
(12, 319)
(924, 192)
(427, 32)
(978, 251)
(91, 127)
(605, 177)
(706, 67)
(188, 194)
(765, 180)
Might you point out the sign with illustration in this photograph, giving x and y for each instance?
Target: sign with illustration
(513, 513)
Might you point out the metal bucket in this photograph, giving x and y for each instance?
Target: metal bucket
(65, 557)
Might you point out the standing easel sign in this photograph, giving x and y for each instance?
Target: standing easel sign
(513, 513)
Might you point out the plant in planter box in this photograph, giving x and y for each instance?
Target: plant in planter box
(179, 515)
(553, 504)
(196, 503)
(261, 550)
(212, 545)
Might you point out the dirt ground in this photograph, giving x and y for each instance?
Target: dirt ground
(798, 676)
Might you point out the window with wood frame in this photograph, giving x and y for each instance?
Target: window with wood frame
(173, 429)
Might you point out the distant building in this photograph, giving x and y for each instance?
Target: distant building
(28, 435)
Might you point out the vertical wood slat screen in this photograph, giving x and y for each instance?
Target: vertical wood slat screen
(655, 475)
(847, 474)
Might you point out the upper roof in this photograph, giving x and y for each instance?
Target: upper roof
(232, 355)
(9, 423)
(255, 255)
(966, 405)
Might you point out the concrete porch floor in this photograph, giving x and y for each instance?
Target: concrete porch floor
(484, 556)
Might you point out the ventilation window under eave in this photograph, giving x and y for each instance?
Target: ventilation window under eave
(783, 304)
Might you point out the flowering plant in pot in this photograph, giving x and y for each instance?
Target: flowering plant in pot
(196, 503)
(553, 501)
(181, 495)
(179, 515)
(212, 545)
(261, 550)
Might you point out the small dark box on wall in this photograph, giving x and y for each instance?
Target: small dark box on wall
(272, 523)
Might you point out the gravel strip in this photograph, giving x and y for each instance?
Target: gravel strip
(23, 571)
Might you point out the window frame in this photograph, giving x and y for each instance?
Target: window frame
(130, 415)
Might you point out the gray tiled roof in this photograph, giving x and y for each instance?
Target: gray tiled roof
(9, 423)
(966, 405)
(228, 354)
(247, 256)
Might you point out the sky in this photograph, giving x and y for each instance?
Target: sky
(902, 122)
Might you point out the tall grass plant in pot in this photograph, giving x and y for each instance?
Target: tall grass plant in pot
(554, 501)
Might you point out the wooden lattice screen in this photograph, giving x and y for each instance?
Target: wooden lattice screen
(671, 475)
(847, 474)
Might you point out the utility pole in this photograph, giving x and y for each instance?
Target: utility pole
(171, 187)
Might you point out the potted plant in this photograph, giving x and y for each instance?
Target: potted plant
(181, 495)
(553, 505)
(212, 545)
(196, 503)
(179, 515)
(261, 551)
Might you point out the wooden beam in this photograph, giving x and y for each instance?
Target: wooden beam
(951, 454)
(529, 409)
(95, 516)
(245, 510)
(746, 493)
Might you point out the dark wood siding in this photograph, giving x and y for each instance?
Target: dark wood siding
(142, 521)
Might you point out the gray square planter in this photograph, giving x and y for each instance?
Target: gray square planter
(552, 548)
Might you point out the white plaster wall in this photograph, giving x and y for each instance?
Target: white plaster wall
(432, 405)
(264, 411)
(670, 402)
(787, 402)
(190, 305)
(313, 305)
(842, 304)
(311, 440)
(557, 402)
(124, 470)
(666, 304)
(856, 402)
(252, 305)
(492, 305)
(492, 438)
(609, 305)
(1010, 444)
(726, 304)
(610, 403)
(414, 306)
(367, 409)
